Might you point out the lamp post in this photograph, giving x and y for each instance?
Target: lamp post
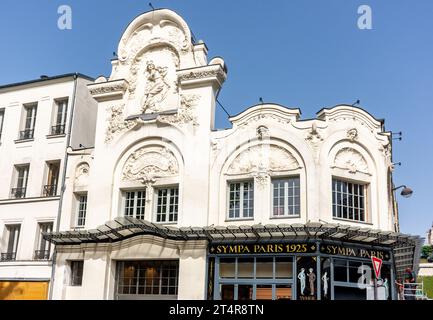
(406, 192)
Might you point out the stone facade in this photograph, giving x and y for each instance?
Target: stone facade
(156, 129)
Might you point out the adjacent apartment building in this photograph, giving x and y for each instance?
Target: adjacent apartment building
(160, 204)
(38, 120)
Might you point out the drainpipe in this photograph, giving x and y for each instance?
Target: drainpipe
(63, 186)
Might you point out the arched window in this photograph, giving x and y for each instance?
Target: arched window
(149, 186)
(263, 179)
(351, 184)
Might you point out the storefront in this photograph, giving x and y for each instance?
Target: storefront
(311, 270)
(279, 262)
(147, 280)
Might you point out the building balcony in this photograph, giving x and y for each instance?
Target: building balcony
(8, 256)
(42, 255)
(27, 134)
(50, 190)
(57, 129)
(18, 193)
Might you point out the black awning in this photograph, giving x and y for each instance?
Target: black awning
(126, 227)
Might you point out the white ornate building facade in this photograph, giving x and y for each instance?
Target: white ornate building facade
(167, 207)
(38, 120)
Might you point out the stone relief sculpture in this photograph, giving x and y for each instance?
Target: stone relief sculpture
(82, 173)
(117, 123)
(311, 280)
(263, 158)
(302, 277)
(149, 163)
(325, 280)
(262, 132)
(186, 112)
(352, 134)
(156, 88)
(351, 160)
(314, 138)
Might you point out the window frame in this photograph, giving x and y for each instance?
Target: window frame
(366, 196)
(49, 189)
(78, 210)
(16, 178)
(163, 266)
(64, 102)
(241, 200)
(144, 199)
(155, 205)
(73, 277)
(31, 108)
(286, 191)
(40, 240)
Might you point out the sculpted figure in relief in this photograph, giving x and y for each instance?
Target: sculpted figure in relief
(156, 89)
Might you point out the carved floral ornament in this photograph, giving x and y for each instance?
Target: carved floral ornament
(264, 116)
(186, 113)
(149, 163)
(116, 122)
(82, 173)
(261, 161)
(108, 87)
(313, 135)
(351, 160)
(156, 31)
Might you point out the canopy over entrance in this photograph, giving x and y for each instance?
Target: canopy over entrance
(406, 248)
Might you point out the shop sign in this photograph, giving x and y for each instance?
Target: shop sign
(262, 248)
(348, 251)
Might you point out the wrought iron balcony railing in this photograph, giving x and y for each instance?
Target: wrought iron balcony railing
(50, 190)
(57, 129)
(27, 134)
(42, 255)
(8, 256)
(18, 193)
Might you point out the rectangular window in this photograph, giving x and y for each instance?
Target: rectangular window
(82, 210)
(241, 200)
(50, 189)
(286, 197)
(12, 239)
(76, 273)
(28, 131)
(2, 116)
(348, 200)
(60, 117)
(21, 174)
(44, 247)
(152, 278)
(167, 205)
(135, 203)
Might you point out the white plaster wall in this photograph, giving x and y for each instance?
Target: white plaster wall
(100, 261)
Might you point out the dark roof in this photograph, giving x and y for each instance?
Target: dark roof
(43, 78)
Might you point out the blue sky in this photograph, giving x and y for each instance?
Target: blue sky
(300, 53)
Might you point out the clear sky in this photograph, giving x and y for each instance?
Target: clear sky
(299, 53)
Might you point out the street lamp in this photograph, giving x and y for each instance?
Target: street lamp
(406, 192)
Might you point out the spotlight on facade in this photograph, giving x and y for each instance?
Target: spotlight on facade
(406, 192)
